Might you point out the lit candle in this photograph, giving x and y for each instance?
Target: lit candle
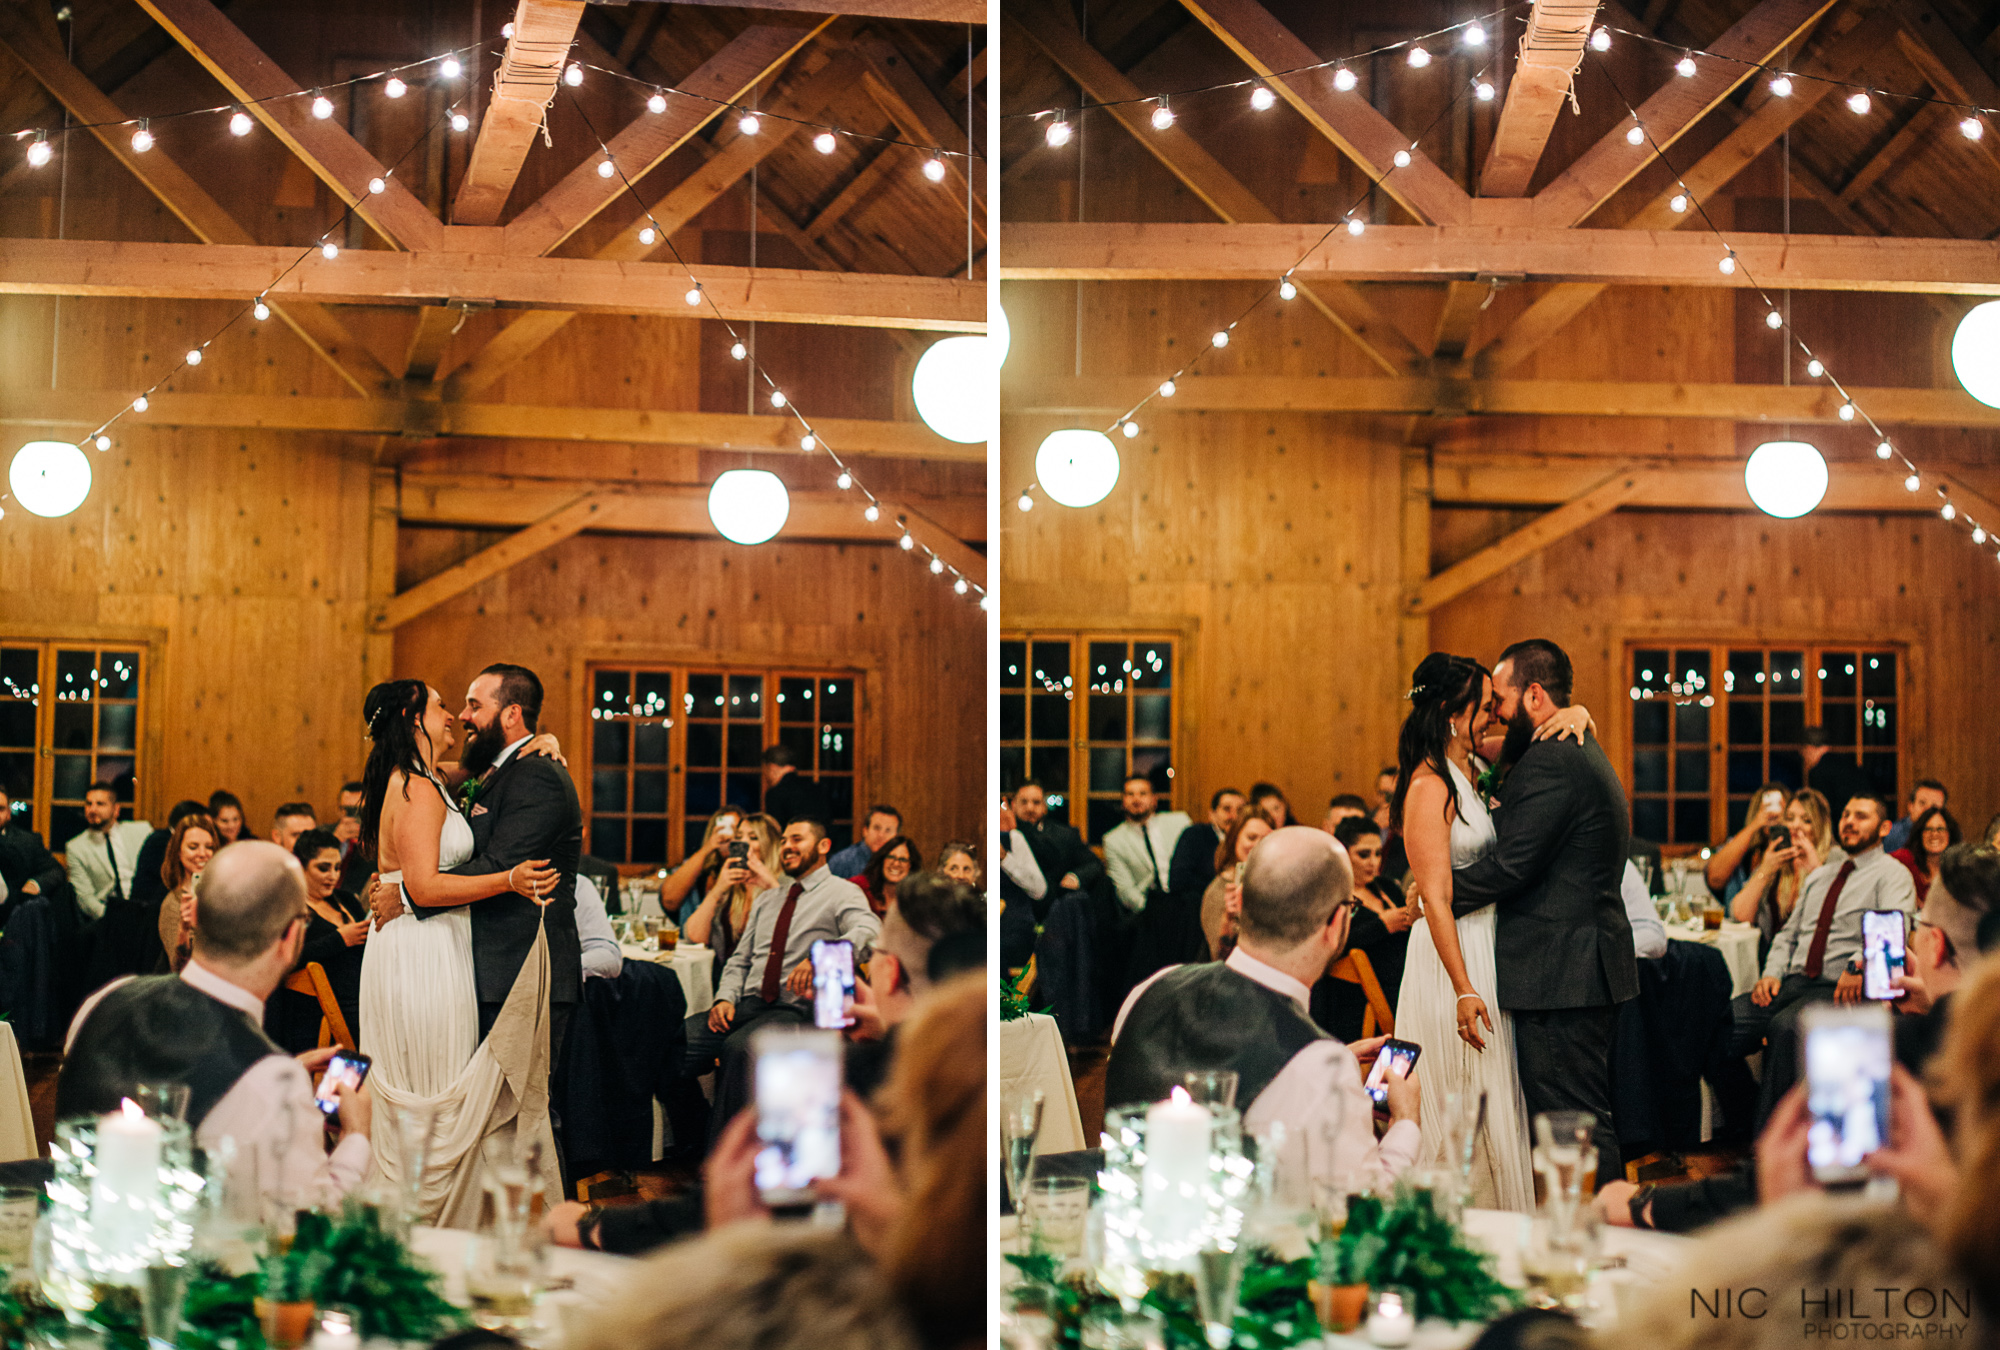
(1391, 1323)
(336, 1331)
(128, 1178)
(1179, 1134)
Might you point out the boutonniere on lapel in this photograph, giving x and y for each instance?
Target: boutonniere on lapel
(469, 794)
(1487, 785)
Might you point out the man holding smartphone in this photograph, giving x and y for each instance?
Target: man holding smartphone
(1815, 956)
(768, 978)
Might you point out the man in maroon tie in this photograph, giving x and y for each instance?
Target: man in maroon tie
(768, 978)
(1814, 957)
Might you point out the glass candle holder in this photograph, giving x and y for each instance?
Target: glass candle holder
(1168, 1189)
(116, 1209)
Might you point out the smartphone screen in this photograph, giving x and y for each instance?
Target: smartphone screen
(1401, 1054)
(348, 1067)
(1881, 952)
(1848, 1053)
(798, 1077)
(833, 983)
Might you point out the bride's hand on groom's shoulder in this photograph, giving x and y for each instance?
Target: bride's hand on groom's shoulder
(546, 744)
(1568, 724)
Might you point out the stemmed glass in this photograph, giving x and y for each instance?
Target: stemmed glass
(1464, 1122)
(1218, 1275)
(1020, 1126)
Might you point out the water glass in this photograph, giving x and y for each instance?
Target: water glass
(1464, 1123)
(1218, 1275)
(503, 1278)
(1556, 1261)
(1565, 1161)
(1058, 1209)
(160, 1301)
(1020, 1126)
(1211, 1087)
(1116, 1329)
(19, 1207)
(163, 1101)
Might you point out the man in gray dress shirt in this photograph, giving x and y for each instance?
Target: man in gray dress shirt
(768, 978)
(1816, 955)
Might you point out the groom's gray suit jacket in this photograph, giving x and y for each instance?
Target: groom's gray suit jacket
(1563, 940)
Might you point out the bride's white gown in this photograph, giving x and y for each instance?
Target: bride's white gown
(1427, 1013)
(420, 1026)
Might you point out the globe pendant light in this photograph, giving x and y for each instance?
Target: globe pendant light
(49, 478)
(748, 506)
(953, 388)
(1975, 353)
(1077, 468)
(1785, 479)
(1001, 334)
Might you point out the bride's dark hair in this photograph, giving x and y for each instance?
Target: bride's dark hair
(1442, 687)
(395, 711)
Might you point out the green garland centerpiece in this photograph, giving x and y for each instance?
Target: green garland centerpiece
(1014, 1003)
(1404, 1241)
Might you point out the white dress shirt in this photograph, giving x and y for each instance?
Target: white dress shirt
(1017, 860)
(1133, 869)
(602, 957)
(1318, 1093)
(829, 908)
(270, 1114)
(1878, 881)
(1649, 935)
(90, 867)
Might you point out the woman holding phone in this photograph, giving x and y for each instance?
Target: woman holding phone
(1782, 862)
(682, 889)
(747, 866)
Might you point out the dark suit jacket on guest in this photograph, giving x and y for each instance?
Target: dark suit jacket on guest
(1563, 940)
(527, 809)
(22, 860)
(1193, 865)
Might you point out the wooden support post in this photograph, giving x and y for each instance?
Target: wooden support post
(378, 648)
(1413, 623)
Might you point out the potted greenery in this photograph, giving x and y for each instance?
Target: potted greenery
(1405, 1241)
(1339, 1289)
(286, 1297)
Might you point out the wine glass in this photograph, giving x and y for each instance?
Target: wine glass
(1020, 1126)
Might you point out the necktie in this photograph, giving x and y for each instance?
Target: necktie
(117, 890)
(1816, 954)
(1146, 833)
(774, 965)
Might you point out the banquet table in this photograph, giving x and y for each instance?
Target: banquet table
(17, 1121)
(579, 1281)
(1032, 1056)
(692, 963)
(1736, 941)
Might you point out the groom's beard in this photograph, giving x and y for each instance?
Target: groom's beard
(482, 746)
(1520, 735)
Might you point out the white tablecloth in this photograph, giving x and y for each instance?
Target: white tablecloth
(1738, 944)
(17, 1121)
(1032, 1056)
(579, 1280)
(693, 964)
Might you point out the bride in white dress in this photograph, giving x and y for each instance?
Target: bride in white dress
(1448, 1003)
(419, 1005)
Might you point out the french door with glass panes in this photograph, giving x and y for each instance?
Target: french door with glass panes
(671, 744)
(69, 717)
(1712, 722)
(1079, 711)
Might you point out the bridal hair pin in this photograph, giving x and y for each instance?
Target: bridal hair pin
(1416, 692)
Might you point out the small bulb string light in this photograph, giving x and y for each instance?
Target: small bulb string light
(811, 439)
(1283, 287)
(1847, 410)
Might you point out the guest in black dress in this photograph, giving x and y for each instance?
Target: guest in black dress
(337, 926)
(1381, 932)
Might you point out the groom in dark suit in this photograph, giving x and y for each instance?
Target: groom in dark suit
(1563, 943)
(520, 808)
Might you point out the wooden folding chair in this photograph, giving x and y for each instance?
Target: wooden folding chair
(1355, 968)
(312, 982)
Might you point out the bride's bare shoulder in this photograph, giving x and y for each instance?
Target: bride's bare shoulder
(1427, 796)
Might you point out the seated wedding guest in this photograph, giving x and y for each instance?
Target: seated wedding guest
(1728, 866)
(1927, 795)
(102, 861)
(202, 1027)
(1385, 793)
(1380, 932)
(1816, 956)
(347, 823)
(1936, 830)
(768, 979)
(1138, 848)
(226, 810)
(147, 887)
(789, 796)
(883, 824)
(1193, 865)
(1395, 855)
(684, 888)
(1249, 1014)
(908, 1271)
(189, 849)
(1345, 806)
(930, 909)
(1944, 949)
(603, 958)
(892, 862)
(1268, 801)
(1836, 774)
(292, 820)
(1956, 1192)
(717, 922)
(960, 861)
(27, 869)
(1649, 935)
(1024, 893)
(1220, 900)
(1777, 866)
(337, 928)
(1060, 854)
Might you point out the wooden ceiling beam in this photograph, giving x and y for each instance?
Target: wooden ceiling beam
(522, 89)
(267, 92)
(443, 418)
(462, 576)
(1098, 251)
(1595, 502)
(727, 77)
(1484, 481)
(435, 325)
(1551, 50)
(1817, 404)
(909, 103)
(931, 11)
(1942, 58)
(205, 217)
(559, 286)
(1759, 36)
(1348, 120)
